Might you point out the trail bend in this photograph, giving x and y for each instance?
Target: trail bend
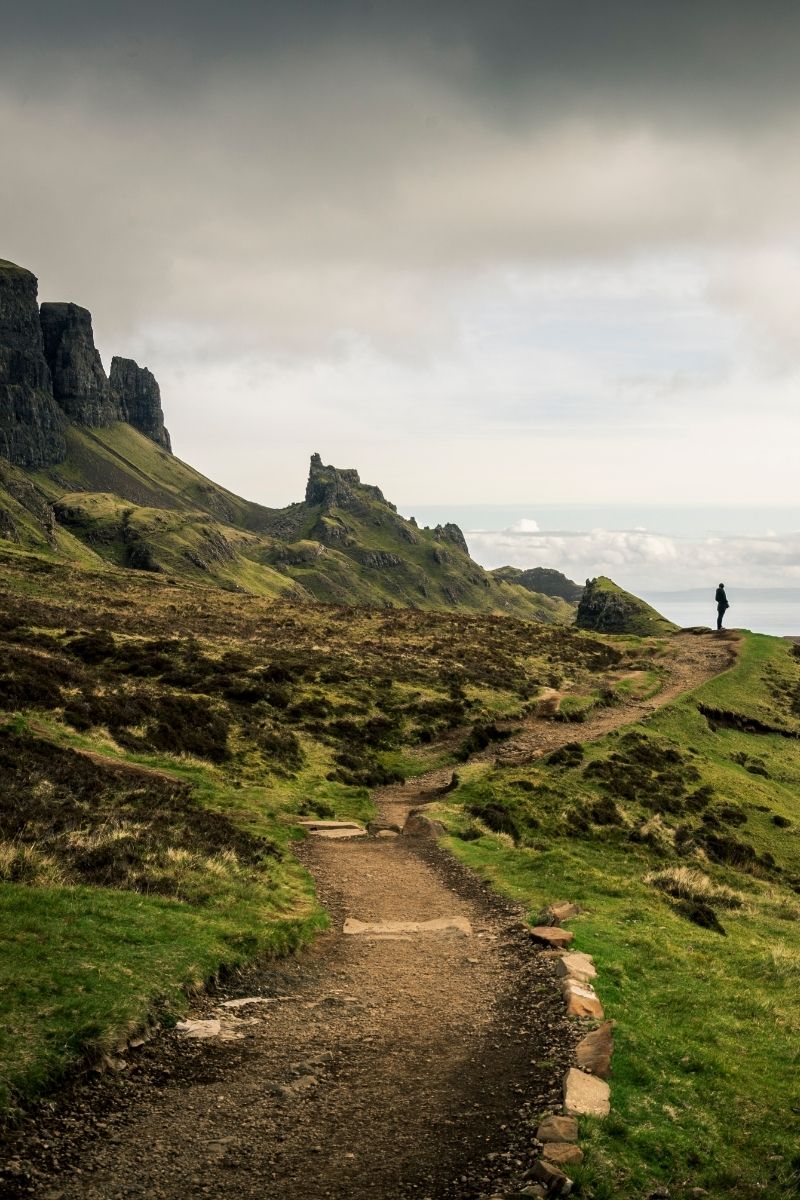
(380, 1067)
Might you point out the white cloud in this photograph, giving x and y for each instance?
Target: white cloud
(646, 561)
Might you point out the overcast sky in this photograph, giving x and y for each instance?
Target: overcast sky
(517, 252)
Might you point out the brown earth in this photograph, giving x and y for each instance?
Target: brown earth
(411, 1066)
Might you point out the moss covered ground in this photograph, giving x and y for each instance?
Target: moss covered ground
(158, 742)
(680, 838)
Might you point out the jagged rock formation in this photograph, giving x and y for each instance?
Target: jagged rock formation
(80, 385)
(545, 580)
(139, 397)
(31, 423)
(335, 487)
(607, 608)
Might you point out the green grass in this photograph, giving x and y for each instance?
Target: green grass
(704, 1088)
(82, 969)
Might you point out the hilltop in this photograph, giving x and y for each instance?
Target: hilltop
(87, 473)
(607, 608)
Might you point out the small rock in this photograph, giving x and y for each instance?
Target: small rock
(581, 1000)
(387, 833)
(556, 1183)
(558, 1129)
(418, 825)
(593, 1052)
(576, 965)
(562, 1153)
(551, 935)
(559, 911)
(585, 1095)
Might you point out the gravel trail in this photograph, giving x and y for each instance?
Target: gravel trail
(410, 1066)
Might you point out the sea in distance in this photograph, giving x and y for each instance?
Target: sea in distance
(671, 556)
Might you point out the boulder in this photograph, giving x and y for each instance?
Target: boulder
(585, 1095)
(593, 1053)
(32, 425)
(80, 384)
(139, 395)
(558, 1129)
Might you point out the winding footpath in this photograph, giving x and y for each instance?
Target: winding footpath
(380, 1063)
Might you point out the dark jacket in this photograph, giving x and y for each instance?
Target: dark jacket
(721, 598)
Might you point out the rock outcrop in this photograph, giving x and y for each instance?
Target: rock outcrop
(335, 487)
(544, 580)
(606, 608)
(139, 397)
(80, 385)
(31, 423)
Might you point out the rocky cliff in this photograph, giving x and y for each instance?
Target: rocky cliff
(80, 384)
(140, 398)
(31, 423)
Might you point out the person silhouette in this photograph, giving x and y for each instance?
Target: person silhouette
(722, 604)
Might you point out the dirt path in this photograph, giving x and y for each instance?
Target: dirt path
(374, 1067)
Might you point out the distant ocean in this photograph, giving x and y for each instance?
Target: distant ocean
(763, 610)
(749, 547)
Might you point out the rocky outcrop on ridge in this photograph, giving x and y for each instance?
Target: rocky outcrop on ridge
(80, 385)
(606, 608)
(337, 487)
(139, 396)
(31, 423)
(545, 580)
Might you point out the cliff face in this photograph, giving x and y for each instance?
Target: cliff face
(80, 384)
(31, 423)
(139, 397)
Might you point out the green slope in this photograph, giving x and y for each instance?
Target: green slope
(607, 608)
(120, 498)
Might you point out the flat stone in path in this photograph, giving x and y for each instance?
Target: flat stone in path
(313, 824)
(552, 935)
(199, 1029)
(332, 835)
(440, 927)
(585, 1095)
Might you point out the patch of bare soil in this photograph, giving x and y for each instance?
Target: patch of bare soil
(411, 1066)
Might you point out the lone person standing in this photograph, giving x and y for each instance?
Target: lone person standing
(722, 604)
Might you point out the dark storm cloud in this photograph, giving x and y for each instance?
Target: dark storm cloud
(736, 60)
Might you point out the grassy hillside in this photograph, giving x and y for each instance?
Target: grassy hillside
(680, 837)
(607, 608)
(120, 498)
(156, 740)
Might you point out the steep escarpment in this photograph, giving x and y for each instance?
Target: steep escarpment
(140, 399)
(31, 423)
(52, 378)
(80, 384)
